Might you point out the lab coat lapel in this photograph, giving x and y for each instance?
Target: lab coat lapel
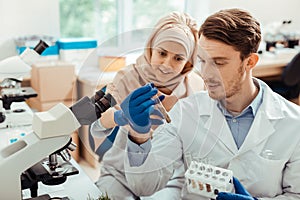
(263, 124)
(260, 130)
(217, 125)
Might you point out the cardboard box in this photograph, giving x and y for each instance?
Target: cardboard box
(111, 63)
(85, 150)
(54, 81)
(36, 104)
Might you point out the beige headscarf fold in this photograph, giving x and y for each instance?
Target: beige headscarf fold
(177, 27)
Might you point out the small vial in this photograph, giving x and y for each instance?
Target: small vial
(162, 109)
(193, 184)
(201, 187)
(208, 187)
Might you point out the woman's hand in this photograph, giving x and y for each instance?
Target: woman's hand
(137, 108)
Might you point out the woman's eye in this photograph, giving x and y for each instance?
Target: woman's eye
(162, 53)
(179, 58)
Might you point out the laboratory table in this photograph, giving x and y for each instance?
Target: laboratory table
(272, 64)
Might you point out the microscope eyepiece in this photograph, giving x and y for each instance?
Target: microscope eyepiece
(87, 110)
(105, 103)
(98, 95)
(40, 47)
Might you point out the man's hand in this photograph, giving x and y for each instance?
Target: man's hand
(137, 108)
(240, 193)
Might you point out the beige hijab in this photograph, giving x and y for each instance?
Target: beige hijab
(177, 27)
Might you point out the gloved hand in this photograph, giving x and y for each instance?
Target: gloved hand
(137, 108)
(240, 193)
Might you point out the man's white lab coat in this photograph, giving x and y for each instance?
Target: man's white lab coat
(199, 131)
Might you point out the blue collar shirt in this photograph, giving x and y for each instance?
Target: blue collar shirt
(240, 124)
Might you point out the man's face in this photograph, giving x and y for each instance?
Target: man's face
(221, 68)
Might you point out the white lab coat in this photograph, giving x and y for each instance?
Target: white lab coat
(200, 131)
(112, 179)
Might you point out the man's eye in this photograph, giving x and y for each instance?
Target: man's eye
(219, 63)
(201, 60)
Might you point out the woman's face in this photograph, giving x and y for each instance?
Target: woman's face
(168, 60)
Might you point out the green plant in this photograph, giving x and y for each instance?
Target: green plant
(102, 197)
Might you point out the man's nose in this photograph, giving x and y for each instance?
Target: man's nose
(207, 70)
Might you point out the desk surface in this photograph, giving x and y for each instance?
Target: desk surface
(272, 64)
(77, 187)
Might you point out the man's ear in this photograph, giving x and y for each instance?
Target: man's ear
(252, 61)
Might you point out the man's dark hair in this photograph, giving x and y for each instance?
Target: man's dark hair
(234, 27)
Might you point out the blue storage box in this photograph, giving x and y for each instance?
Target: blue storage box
(76, 43)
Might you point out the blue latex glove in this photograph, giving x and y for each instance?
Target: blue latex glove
(137, 108)
(240, 193)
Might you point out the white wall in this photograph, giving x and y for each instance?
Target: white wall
(199, 9)
(266, 11)
(23, 17)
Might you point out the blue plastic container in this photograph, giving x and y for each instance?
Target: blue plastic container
(76, 43)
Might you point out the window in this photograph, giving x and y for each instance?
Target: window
(76, 18)
(116, 24)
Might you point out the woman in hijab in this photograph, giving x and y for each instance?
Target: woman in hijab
(167, 61)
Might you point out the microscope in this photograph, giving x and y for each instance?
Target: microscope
(42, 155)
(12, 71)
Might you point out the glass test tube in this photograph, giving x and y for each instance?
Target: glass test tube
(162, 109)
